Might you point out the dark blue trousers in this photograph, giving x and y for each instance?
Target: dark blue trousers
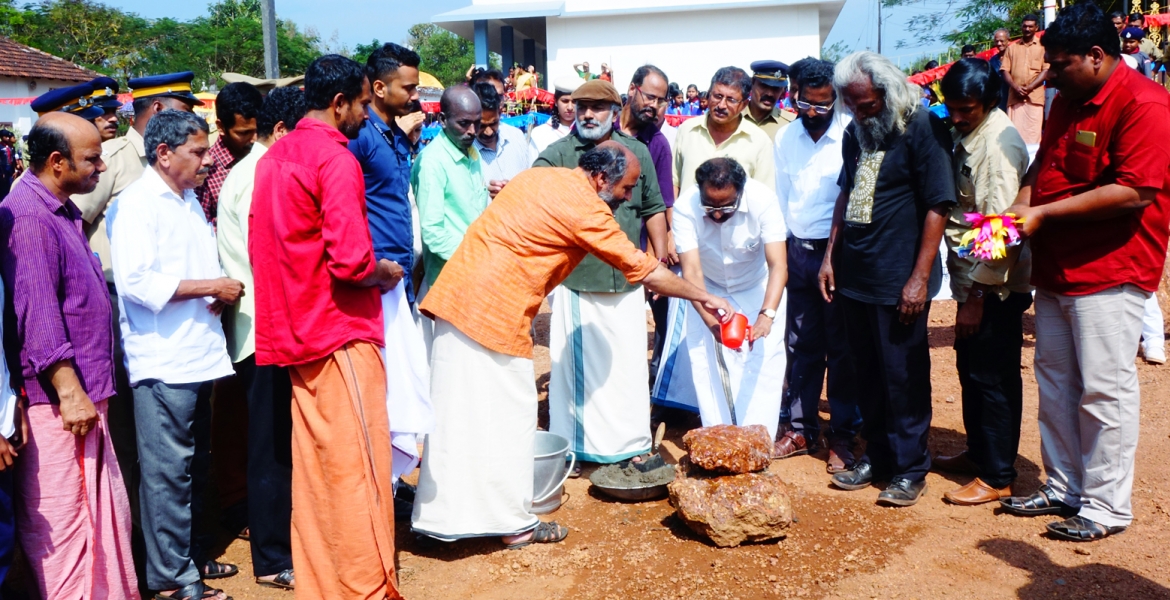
(7, 523)
(816, 342)
(893, 365)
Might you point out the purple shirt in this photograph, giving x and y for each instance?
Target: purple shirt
(57, 305)
(663, 159)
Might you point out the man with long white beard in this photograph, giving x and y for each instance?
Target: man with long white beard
(598, 398)
(882, 264)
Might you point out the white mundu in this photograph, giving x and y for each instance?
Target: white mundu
(731, 255)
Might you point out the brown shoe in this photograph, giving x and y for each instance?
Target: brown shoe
(840, 456)
(790, 444)
(976, 492)
(959, 463)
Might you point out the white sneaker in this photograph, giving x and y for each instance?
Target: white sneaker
(1155, 355)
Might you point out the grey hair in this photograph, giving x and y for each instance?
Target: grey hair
(733, 77)
(171, 128)
(609, 161)
(902, 98)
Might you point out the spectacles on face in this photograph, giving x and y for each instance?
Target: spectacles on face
(651, 98)
(717, 99)
(723, 210)
(817, 108)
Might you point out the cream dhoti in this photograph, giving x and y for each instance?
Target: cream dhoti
(408, 382)
(598, 394)
(477, 464)
(756, 375)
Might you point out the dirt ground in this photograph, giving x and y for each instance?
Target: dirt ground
(843, 545)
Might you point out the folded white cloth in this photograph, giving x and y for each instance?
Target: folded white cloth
(408, 381)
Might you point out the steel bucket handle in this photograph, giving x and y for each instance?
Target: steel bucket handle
(568, 471)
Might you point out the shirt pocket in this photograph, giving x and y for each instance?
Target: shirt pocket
(1081, 162)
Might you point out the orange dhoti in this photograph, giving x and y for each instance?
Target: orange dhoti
(343, 503)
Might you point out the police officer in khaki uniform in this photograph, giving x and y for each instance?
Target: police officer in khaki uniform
(105, 97)
(769, 82)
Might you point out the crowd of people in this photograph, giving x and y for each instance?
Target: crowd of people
(328, 307)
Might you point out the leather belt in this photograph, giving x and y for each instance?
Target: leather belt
(810, 244)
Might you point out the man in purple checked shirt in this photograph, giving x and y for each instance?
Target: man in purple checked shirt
(58, 338)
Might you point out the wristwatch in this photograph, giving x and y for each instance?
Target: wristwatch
(767, 312)
(977, 293)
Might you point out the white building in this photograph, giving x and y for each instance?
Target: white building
(26, 73)
(688, 39)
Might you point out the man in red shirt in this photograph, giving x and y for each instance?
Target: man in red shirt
(1095, 206)
(319, 312)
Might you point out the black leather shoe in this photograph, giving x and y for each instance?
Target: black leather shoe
(856, 479)
(1042, 502)
(902, 492)
(1080, 529)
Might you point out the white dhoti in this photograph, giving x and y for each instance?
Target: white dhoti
(477, 464)
(674, 387)
(756, 375)
(408, 382)
(598, 395)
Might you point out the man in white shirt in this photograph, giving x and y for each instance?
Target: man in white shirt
(503, 150)
(171, 292)
(268, 387)
(808, 161)
(730, 236)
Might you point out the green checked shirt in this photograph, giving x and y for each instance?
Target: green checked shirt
(450, 192)
(592, 275)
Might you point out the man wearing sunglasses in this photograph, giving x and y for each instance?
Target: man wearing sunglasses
(769, 82)
(808, 162)
(731, 236)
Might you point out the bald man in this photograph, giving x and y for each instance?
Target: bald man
(74, 523)
(448, 182)
(477, 468)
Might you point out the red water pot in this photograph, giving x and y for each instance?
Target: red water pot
(735, 331)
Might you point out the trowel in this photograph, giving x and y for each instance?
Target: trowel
(654, 461)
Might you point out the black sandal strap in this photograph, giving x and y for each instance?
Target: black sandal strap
(550, 532)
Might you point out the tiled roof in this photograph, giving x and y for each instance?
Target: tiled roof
(18, 60)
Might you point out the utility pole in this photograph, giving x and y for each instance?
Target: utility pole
(879, 44)
(268, 22)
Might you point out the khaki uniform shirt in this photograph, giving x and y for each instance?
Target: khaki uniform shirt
(989, 164)
(748, 145)
(125, 159)
(773, 122)
(1024, 62)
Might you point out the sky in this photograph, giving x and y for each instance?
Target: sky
(387, 21)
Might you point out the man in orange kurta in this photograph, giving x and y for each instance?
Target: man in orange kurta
(476, 478)
(319, 312)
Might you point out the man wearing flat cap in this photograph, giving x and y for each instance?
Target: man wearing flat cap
(125, 159)
(769, 82)
(105, 97)
(598, 395)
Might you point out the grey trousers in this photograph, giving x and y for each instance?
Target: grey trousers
(1089, 398)
(174, 453)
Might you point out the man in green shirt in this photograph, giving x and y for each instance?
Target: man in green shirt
(598, 394)
(448, 184)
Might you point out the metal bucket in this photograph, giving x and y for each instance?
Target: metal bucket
(550, 471)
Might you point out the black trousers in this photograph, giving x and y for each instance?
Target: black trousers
(269, 392)
(893, 367)
(660, 310)
(993, 390)
(815, 342)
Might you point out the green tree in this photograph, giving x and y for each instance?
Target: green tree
(362, 52)
(835, 52)
(444, 54)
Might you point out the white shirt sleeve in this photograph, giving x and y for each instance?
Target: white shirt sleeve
(7, 396)
(685, 225)
(773, 227)
(783, 185)
(134, 253)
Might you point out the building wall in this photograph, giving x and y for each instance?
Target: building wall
(689, 45)
(21, 117)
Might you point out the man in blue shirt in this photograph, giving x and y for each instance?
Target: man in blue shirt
(384, 152)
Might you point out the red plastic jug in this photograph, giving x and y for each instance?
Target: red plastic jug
(735, 331)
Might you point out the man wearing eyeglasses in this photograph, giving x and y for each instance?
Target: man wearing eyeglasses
(723, 132)
(808, 162)
(731, 233)
(769, 82)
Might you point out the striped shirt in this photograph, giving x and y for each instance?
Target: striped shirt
(57, 305)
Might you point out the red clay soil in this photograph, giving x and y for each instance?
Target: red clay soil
(842, 547)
